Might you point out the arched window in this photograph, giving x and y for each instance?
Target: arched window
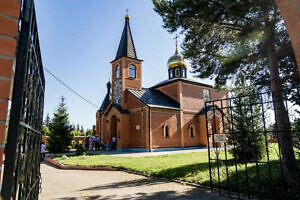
(177, 72)
(171, 73)
(183, 72)
(132, 71)
(117, 71)
(192, 131)
(166, 131)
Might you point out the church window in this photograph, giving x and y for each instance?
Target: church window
(166, 131)
(171, 73)
(192, 131)
(206, 95)
(132, 71)
(177, 72)
(117, 71)
(183, 72)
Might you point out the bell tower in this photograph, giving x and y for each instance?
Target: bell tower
(126, 67)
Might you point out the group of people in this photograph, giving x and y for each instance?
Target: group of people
(93, 143)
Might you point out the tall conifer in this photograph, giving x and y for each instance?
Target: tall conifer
(60, 129)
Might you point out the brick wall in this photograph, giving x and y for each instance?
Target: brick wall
(192, 96)
(9, 16)
(290, 11)
(158, 119)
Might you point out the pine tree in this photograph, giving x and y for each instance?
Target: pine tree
(47, 120)
(228, 39)
(77, 127)
(82, 129)
(60, 129)
(246, 126)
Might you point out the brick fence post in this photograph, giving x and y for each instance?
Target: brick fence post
(9, 17)
(290, 11)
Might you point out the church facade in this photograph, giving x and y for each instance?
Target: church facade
(168, 115)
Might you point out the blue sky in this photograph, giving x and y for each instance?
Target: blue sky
(78, 40)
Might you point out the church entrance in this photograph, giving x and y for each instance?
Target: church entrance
(113, 126)
(113, 131)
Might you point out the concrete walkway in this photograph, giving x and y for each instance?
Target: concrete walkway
(106, 185)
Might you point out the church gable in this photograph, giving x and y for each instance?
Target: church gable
(154, 98)
(170, 90)
(132, 102)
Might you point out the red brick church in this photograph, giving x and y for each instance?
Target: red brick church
(168, 115)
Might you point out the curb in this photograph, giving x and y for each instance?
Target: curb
(61, 166)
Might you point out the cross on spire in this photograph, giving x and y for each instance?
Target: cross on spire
(176, 39)
(127, 11)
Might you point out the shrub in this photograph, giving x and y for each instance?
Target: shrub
(80, 150)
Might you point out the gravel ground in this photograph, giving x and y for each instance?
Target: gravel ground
(106, 185)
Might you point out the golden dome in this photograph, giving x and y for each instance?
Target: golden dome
(177, 60)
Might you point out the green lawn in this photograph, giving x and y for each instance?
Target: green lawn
(194, 167)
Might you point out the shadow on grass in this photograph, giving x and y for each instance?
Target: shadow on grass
(265, 180)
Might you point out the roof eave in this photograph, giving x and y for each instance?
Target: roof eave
(126, 57)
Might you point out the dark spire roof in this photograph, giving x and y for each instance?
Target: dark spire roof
(126, 46)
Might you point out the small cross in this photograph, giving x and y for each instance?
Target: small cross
(176, 39)
(127, 11)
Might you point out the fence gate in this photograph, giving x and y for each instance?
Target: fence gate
(21, 177)
(245, 157)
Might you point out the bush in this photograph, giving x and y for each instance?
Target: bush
(80, 150)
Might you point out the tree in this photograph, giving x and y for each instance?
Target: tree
(296, 133)
(60, 129)
(45, 131)
(47, 120)
(228, 39)
(246, 124)
(81, 129)
(77, 127)
(89, 132)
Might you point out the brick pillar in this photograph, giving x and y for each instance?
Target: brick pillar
(9, 17)
(290, 11)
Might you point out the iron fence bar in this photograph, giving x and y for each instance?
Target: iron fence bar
(208, 148)
(15, 115)
(225, 149)
(256, 160)
(266, 142)
(245, 161)
(29, 127)
(22, 170)
(213, 133)
(235, 160)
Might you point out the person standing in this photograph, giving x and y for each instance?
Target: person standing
(114, 142)
(97, 143)
(90, 144)
(86, 143)
(43, 151)
(110, 144)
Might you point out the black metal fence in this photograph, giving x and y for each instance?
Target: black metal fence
(245, 152)
(21, 177)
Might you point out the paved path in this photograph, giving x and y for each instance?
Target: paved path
(106, 185)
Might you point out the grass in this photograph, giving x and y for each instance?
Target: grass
(194, 167)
